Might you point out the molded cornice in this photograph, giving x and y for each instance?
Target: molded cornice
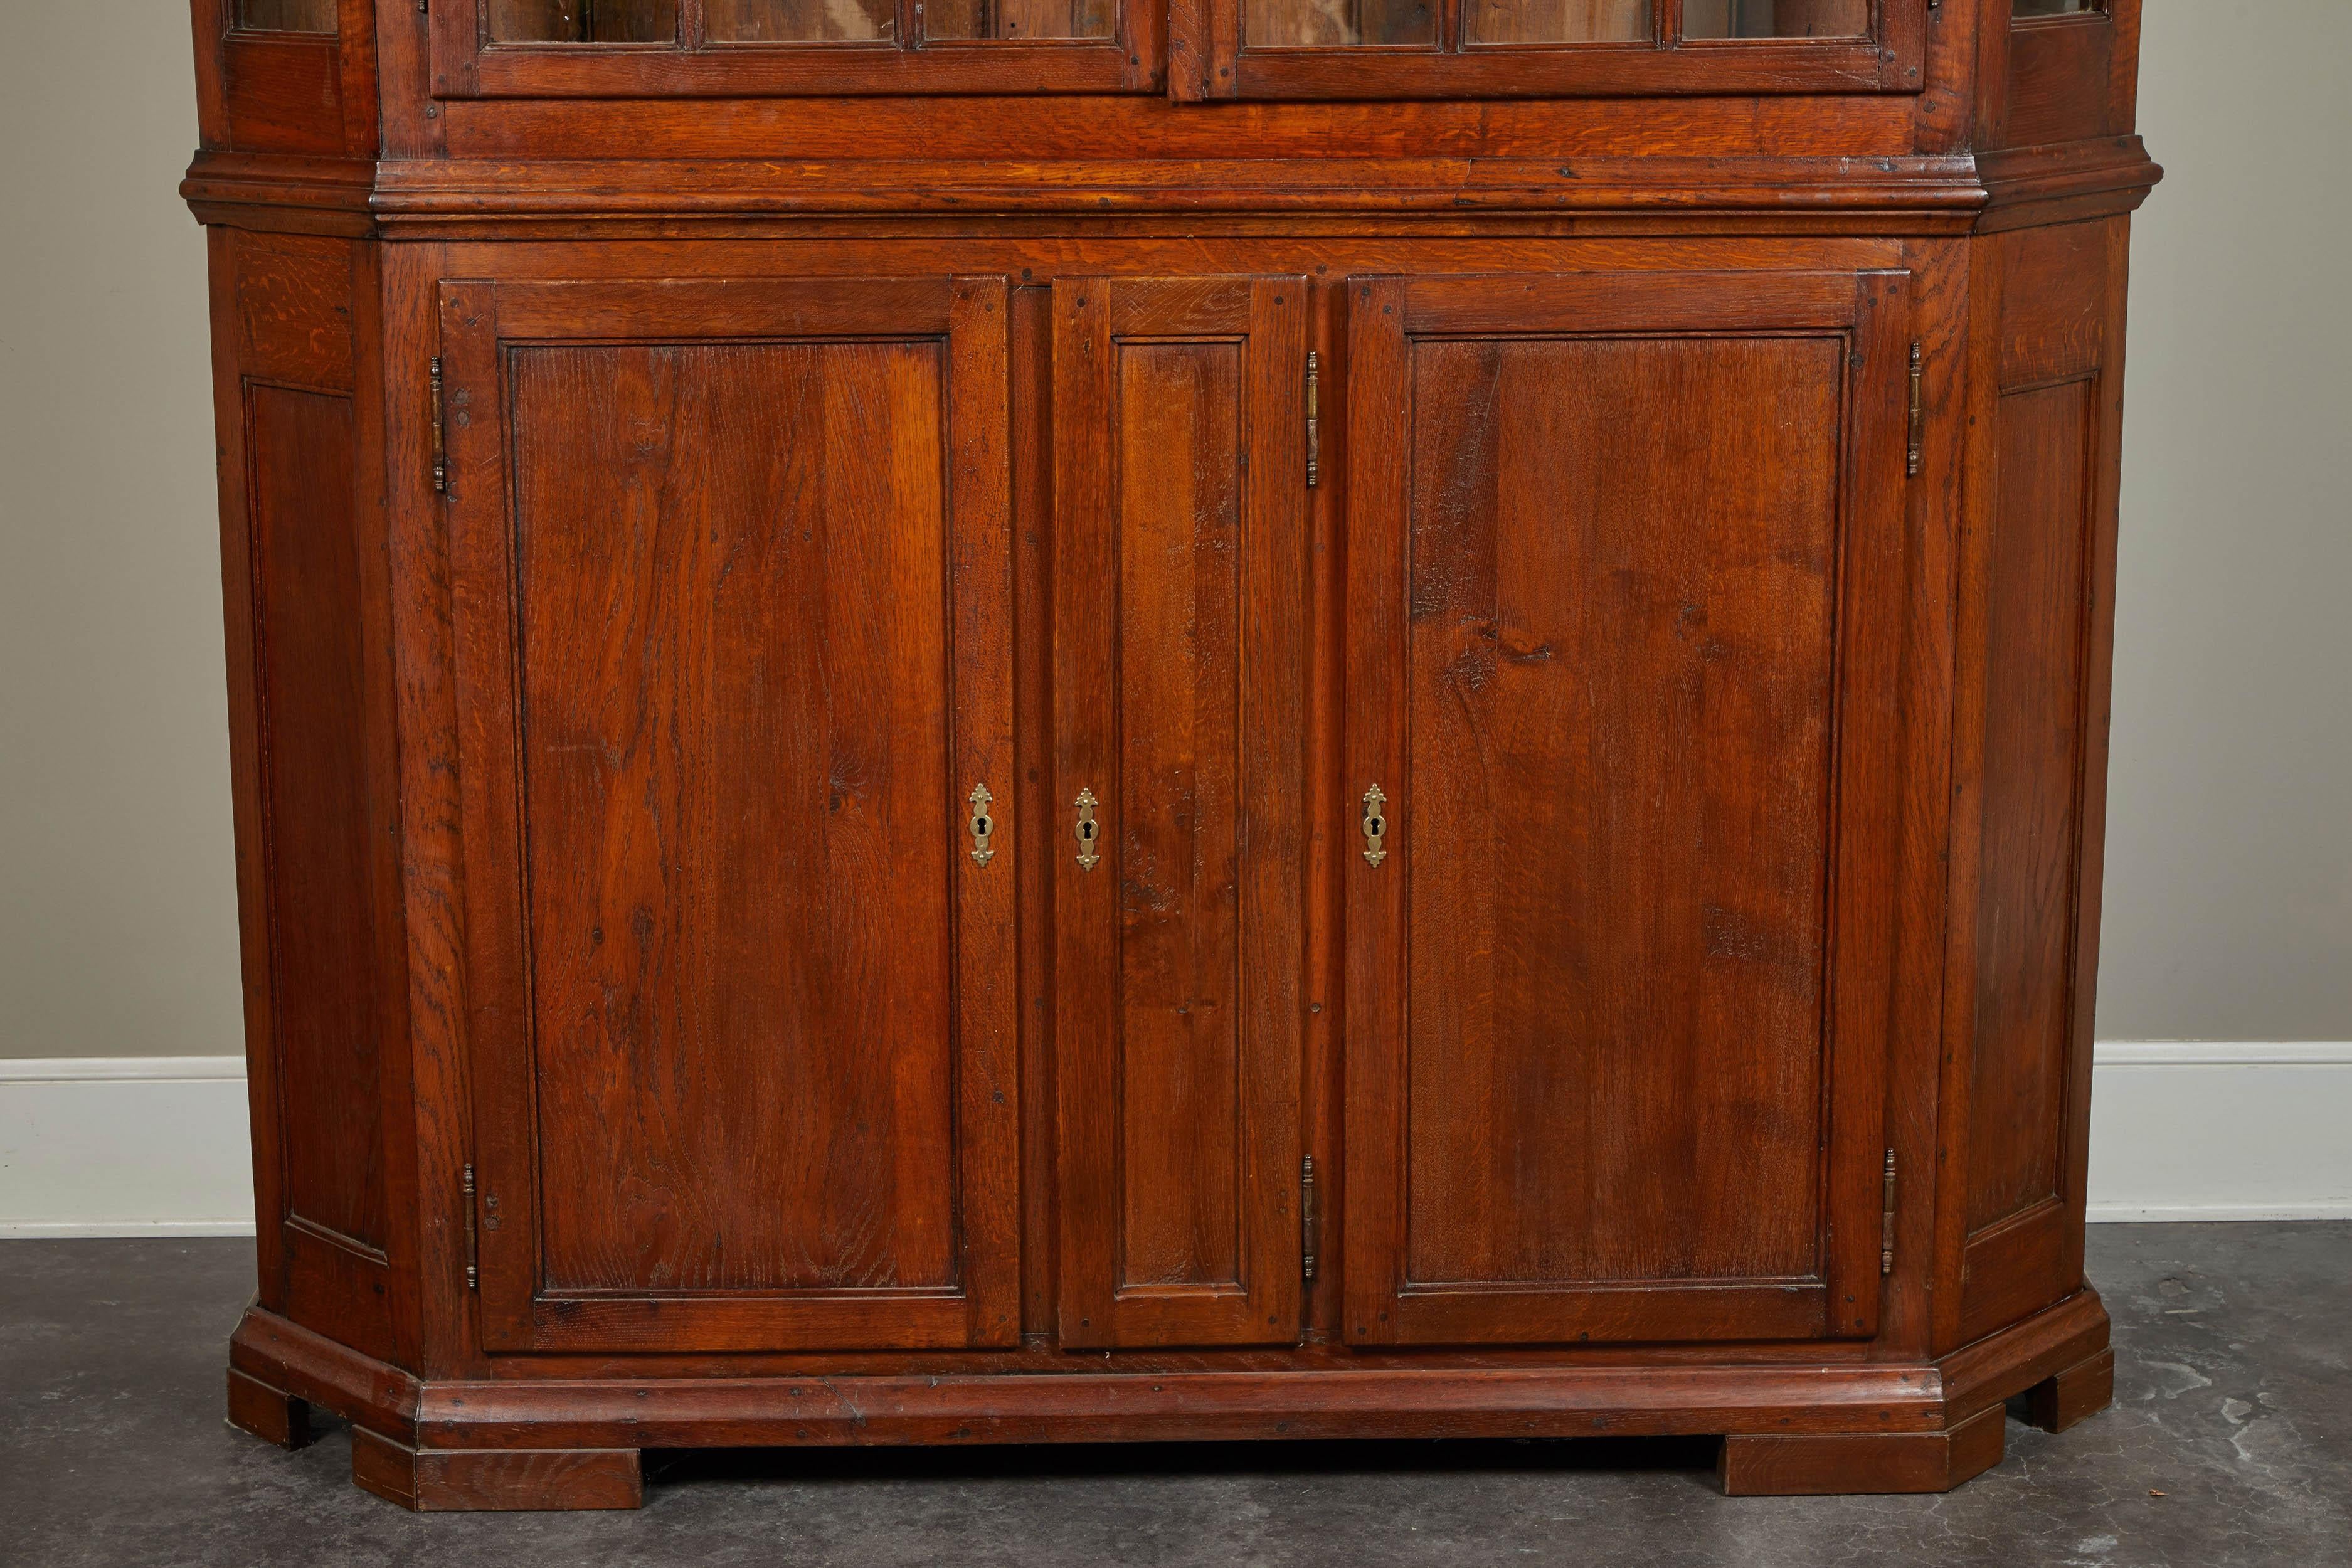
(643, 198)
(282, 192)
(2066, 183)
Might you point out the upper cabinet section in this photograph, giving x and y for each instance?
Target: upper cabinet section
(1195, 49)
(2067, 70)
(286, 76)
(286, 16)
(751, 48)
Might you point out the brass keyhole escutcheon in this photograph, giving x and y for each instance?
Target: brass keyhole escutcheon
(1089, 830)
(1376, 827)
(984, 826)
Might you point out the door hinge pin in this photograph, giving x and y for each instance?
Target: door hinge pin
(440, 436)
(1314, 419)
(1886, 1222)
(1919, 445)
(473, 1240)
(1310, 1218)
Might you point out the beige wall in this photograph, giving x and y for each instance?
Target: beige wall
(2229, 889)
(2230, 861)
(118, 911)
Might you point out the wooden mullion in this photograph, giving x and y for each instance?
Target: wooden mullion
(1669, 24)
(693, 25)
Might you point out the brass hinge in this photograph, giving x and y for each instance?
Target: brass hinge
(440, 436)
(1886, 1222)
(1918, 409)
(1310, 1218)
(1314, 419)
(473, 1241)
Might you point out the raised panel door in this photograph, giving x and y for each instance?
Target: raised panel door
(1179, 645)
(733, 596)
(1619, 703)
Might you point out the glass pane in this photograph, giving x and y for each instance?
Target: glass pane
(2054, 7)
(800, 21)
(286, 16)
(1276, 24)
(583, 21)
(1776, 18)
(1014, 20)
(1556, 21)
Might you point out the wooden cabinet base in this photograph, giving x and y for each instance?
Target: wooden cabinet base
(513, 1480)
(269, 1413)
(1845, 1464)
(2080, 1392)
(522, 1441)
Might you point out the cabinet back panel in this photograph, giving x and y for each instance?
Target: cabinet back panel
(732, 575)
(1620, 629)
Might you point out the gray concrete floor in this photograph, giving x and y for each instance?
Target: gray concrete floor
(2231, 1442)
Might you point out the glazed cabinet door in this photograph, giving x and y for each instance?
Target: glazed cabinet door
(1528, 48)
(1624, 565)
(760, 48)
(1179, 617)
(732, 599)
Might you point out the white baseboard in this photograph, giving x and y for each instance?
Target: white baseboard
(156, 1145)
(124, 1146)
(2184, 1129)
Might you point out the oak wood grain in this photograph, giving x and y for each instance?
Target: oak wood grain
(752, 1019)
(1574, 608)
(1180, 665)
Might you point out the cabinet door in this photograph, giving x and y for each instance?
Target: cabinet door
(758, 48)
(731, 592)
(1180, 618)
(1523, 48)
(1624, 570)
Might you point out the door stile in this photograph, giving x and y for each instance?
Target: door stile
(979, 655)
(1373, 1069)
(1868, 792)
(499, 1069)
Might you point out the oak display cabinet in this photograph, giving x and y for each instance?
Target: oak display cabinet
(1003, 720)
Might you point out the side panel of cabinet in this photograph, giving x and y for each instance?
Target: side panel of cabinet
(303, 564)
(2034, 630)
(733, 583)
(1625, 565)
(1179, 638)
(262, 87)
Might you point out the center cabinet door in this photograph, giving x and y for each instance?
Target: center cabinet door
(1625, 579)
(1179, 649)
(731, 596)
